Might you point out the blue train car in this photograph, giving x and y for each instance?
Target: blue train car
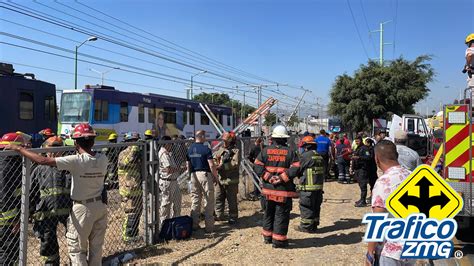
(113, 111)
(28, 104)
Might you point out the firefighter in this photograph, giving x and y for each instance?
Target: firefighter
(469, 67)
(130, 186)
(112, 155)
(272, 165)
(310, 186)
(343, 151)
(228, 164)
(361, 160)
(51, 203)
(10, 200)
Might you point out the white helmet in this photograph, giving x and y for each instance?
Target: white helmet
(280, 132)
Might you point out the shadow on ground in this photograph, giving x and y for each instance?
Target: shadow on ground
(342, 224)
(334, 239)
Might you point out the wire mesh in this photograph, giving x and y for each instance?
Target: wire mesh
(146, 183)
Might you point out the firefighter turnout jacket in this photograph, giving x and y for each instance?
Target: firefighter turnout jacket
(50, 192)
(273, 165)
(311, 171)
(10, 185)
(129, 172)
(230, 160)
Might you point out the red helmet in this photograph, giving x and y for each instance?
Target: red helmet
(47, 132)
(12, 138)
(83, 130)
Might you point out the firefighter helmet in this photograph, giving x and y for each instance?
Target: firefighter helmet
(12, 138)
(83, 130)
(113, 136)
(47, 132)
(280, 132)
(54, 142)
(149, 132)
(308, 140)
(131, 136)
(470, 38)
(229, 136)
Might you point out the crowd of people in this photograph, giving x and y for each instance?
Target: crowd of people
(72, 189)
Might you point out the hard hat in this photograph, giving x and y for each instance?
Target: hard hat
(113, 136)
(470, 38)
(83, 130)
(131, 136)
(12, 138)
(47, 132)
(228, 136)
(148, 132)
(280, 132)
(54, 142)
(307, 140)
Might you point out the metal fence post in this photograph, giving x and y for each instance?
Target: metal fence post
(145, 190)
(156, 191)
(25, 204)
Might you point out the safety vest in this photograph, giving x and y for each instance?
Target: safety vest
(313, 173)
(50, 192)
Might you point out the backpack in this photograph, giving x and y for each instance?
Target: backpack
(177, 228)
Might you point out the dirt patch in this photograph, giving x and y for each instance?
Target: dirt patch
(338, 241)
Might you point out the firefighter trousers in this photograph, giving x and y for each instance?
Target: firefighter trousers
(276, 220)
(46, 230)
(133, 207)
(363, 180)
(9, 244)
(229, 193)
(310, 208)
(170, 204)
(343, 169)
(202, 185)
(85, 235)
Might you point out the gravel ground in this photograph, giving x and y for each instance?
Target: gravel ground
(338, 241)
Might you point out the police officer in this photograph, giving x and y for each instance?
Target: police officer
(10, 200)
(85, 233)
(228, 163)
(51, 203)
(361, 160)
(272, 165)
(130, 186)
(310, 186)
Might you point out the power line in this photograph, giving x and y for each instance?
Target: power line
(357, 29)
(395, 29)
(368, 27)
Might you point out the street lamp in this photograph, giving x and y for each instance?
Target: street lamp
(103, 73)
(90, 39)
(199, 73)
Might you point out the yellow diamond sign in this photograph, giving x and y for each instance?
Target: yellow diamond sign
(424, 191)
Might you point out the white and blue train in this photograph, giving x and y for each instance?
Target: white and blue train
(113, 111)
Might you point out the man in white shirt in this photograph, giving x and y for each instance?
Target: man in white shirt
(407, 157)
(87, 221)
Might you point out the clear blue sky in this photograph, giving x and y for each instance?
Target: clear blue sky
(305, 43)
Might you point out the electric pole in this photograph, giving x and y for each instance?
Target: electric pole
(381, 42)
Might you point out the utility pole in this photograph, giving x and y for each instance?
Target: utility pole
(381, 42)
(259, 92)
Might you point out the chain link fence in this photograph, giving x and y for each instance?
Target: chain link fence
(146, 183)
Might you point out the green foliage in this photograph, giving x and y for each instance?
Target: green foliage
(224, 99)
(270, 119)
(293, 120)
(379, 92)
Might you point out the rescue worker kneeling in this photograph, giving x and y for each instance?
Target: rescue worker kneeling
(130, 187)
(51, 201)
(272, 164)
(310, 186)
(228, 163)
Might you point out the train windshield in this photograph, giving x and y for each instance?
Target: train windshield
(75, 107)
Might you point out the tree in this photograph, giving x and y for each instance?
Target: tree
(224, 99)
(270, 119)
(377, 91)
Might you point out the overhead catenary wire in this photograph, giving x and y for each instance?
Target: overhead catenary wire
(357, 30)
(60, 22)
(368, 27)
(395, 29)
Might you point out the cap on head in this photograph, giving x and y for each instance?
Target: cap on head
(83, 130)
(54, 142)
(280, 132)
(131, 136)
(12, 138)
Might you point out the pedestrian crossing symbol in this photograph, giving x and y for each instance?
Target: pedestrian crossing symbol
(424, 191)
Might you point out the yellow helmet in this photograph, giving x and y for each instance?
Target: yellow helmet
(148, 132)
(113, 136)
(470, 38)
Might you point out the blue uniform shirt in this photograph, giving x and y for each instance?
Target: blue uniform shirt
(323, 143)
(198, 154)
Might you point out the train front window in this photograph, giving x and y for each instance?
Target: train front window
(75, 107)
